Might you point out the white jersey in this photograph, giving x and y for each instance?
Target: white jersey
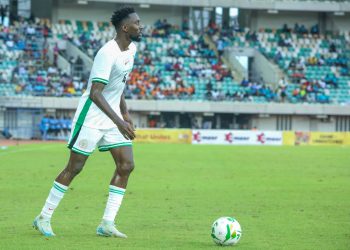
(111, 67)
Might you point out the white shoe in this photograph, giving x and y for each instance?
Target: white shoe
(108, 229)
(43, 226)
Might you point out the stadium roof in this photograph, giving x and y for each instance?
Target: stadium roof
(296, 5)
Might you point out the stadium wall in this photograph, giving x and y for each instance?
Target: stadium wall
(2, 117)
(338, 22)
(99, 11)
(258, 19)
(255, 19)
(42, 8)
(262, 67)
(71, 103)
(24, 114)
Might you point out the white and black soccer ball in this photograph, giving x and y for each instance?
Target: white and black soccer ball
(226, 231)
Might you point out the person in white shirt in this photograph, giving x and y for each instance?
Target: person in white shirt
(102, 120)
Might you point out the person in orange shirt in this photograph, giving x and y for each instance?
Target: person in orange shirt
(191, 90)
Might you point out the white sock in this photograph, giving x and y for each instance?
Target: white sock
(114, 201)
(55, 196)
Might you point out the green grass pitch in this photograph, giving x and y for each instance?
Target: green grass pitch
(284, 197)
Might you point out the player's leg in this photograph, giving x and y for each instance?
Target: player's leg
(74, 166)
(123, 158)
(81, 143)
(121, 150)
(124, 161)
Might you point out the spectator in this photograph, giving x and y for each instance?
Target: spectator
(332, 80)
(315, 30)
(220, 47)
(332, 48)
(321, 97)
(244, 82)
(55, 54)
(285, 28)
(6, 133)
(44, 127)
(277, 57)
(2, 14)
(185, 25)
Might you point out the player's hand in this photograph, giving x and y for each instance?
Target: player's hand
(128, 120)
(127, 130)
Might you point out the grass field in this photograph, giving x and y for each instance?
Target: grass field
(284, 197)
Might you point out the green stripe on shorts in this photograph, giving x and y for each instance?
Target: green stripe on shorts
(80, 121)
(116, 145)
(76, 150)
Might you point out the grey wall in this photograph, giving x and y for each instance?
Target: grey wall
(96, 11)
(185, 106)
(42, 8)
(338, 22)
(262, 19)
(2, 114)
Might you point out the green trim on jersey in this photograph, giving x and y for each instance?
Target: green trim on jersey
(116, 145)
(101, 80)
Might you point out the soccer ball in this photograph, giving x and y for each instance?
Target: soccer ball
(226, 231)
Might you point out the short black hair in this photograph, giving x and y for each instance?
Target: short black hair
(120, 14)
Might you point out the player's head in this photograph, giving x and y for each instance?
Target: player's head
(125, 20)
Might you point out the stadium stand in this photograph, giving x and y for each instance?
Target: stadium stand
(164, 68)
(317, 65)
(174, 63)
(25, 69)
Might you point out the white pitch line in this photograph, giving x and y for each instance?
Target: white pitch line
(26, 149)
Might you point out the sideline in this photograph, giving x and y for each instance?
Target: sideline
(14, 149)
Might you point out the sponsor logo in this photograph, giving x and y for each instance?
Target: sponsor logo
(241, 138)
(209, 137)
(228, 137)
(197, 137)
(262, 138)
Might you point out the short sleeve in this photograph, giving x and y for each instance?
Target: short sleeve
(102, 66)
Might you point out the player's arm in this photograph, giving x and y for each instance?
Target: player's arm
(96, 96)
(124, 111)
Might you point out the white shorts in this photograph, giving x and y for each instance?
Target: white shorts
(83, 140)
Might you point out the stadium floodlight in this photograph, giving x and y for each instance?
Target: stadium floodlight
(145, 6)
(339, 13)
(208, 8)
(272, 11)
